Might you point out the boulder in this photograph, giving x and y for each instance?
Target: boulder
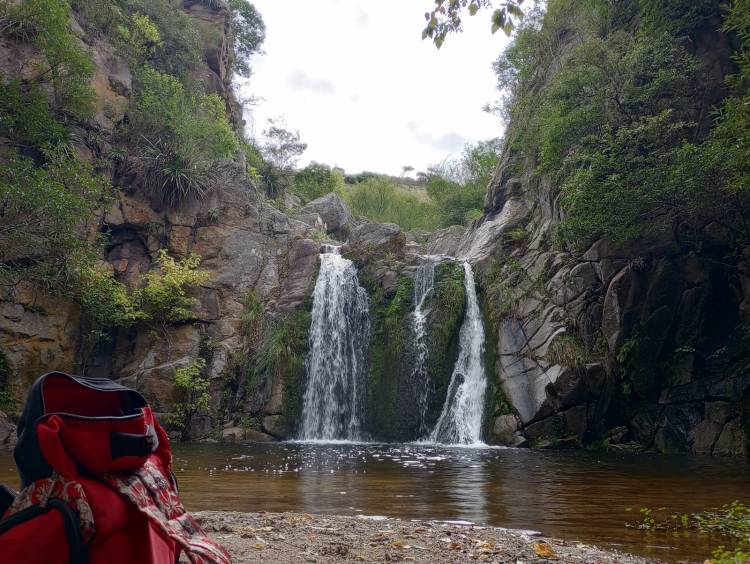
(276, 426)
(378, 237)
(506, 431)
(336, 215)
(236, 434)
(444, 241)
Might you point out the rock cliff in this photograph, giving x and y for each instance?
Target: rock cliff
(642, 345)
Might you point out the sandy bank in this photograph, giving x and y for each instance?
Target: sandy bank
(295, 537)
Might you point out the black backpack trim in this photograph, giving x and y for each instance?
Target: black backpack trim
(31, 464)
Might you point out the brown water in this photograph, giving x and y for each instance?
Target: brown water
(572, 495)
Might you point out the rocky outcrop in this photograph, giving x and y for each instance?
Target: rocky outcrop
(248, 247)
(642, 345)
(335, 216)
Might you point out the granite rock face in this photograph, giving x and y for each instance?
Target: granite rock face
(335, 215)
(643, 344)
(248, 247)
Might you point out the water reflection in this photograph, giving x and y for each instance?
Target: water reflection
(574, 495)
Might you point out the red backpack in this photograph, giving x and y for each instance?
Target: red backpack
(96, 479)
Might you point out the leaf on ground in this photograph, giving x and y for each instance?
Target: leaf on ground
(543, 550)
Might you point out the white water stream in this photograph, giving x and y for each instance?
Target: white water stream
(424, 282)
(333, 401)
(461, 419)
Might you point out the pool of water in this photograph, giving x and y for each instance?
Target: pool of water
(574, 495)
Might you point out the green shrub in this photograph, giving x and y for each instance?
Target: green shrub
(316, 180)
(251, 318)
(42, 210)
(178, 136)
(165, 296)
(179, 53)
(247, 34)
(568, 350)
(281, 353)
(196, 399)
(613, 122)
(96, 16)
(458, 188)
(105, 302)
(379, 199)
(27, 118)
(140, 38)
(65, 64)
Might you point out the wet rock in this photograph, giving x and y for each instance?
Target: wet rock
(444, 241)
(506, 431)
(276, 426)
(733, 440)
(234, 434)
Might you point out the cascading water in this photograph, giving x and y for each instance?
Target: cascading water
(461, 419)
(424, 282)
(339, 336)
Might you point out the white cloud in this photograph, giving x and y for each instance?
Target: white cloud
(300, 80)
(363, 88)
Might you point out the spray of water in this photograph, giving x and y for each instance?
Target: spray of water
(460, 421)
(424, 282)
(333, 401)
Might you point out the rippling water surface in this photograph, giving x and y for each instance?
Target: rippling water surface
(572, 495)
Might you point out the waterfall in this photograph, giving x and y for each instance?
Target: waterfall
(461, 419)
(424, 282)
(333, 401)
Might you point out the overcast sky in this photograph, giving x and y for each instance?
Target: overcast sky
(364, 90)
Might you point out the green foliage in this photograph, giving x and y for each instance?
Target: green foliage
(247, 35)
(283, 146)
(504, 285)
(196, 399)
(446, 17)
(165, 297)
(568, 350)
(448, 304)
(141, 38)
(251, 318)
(104, 301)
(316, 180)
(178, 135)
(96, 16)
(614, 122)
(458, 188)
(179, 52)
(42, 212)
(379, 200)
(65, 65)
(388, 359)
(678, 17)
(731, 521)
(27, 118)
(281, 354)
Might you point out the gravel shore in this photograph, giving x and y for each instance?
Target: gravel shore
(295, 537)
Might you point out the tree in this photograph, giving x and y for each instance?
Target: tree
(446, 17)
(283, 147)
(247, 34)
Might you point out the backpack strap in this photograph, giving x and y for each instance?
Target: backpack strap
(7, 496)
